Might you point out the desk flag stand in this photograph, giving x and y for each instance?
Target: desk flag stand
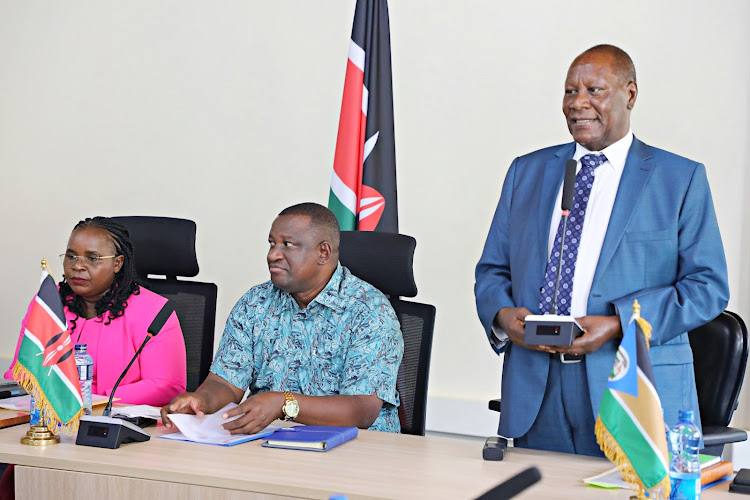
(39, 435)
(630, 424)
(49, 370)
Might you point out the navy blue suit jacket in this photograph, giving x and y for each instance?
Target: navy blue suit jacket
(662, 247)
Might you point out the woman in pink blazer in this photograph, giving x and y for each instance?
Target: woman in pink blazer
(107, 310)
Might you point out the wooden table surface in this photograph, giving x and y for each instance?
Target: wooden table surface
(374, 465)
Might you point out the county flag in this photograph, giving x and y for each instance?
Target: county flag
(630, 425)
(363, 185)
(46, 364)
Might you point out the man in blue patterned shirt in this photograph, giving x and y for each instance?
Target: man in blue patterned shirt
(315, 344)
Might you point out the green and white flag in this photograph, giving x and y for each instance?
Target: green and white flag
(630, 425)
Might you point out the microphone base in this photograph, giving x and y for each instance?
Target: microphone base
(551, 329)
(108, 432)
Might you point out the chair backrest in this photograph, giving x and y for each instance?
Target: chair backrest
(385, 261)
(720, 349)
(417, 324)
(166, 246)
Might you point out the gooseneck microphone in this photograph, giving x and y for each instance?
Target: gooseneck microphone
(550, 328)
(513, 486)
(108, 432)
(154, 328)
(566, 204)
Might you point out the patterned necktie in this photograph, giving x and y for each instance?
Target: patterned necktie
(584, 181)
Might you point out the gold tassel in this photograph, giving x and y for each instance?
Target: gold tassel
(614, 453)
(52, 421)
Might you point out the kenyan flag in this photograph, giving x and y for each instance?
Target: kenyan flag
(46, 364)
(363, 185)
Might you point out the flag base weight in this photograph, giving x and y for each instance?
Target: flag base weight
(39, 435)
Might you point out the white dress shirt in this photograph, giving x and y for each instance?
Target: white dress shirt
(595, 223)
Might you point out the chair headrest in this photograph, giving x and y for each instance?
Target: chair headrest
(385, 260)
(163, 245)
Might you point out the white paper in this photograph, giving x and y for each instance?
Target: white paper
(21, 403)
(608, 479)
(138, 411)
(209, 429)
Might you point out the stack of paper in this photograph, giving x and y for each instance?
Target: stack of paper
(209, 430)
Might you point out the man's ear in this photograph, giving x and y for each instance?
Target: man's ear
(324, 253)
(632, 89)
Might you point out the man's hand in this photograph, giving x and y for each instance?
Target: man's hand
(512, 321)
(212, 395)
(259, 411)
(597, 331)
(190, 402)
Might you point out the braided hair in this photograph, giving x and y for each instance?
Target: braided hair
(125, 283)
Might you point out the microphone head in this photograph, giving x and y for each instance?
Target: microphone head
(513, 486)
(158, 323)
(569, 184)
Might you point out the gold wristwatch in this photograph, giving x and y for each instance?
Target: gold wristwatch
(291, 406)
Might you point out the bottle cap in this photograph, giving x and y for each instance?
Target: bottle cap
(81, 347)
(686, 415)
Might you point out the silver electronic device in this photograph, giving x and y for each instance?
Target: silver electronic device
(552, 329)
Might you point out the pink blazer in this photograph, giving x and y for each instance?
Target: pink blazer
(156, 377)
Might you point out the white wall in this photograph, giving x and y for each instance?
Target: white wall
(225, 112)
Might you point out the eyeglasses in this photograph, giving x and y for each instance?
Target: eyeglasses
(69, 260)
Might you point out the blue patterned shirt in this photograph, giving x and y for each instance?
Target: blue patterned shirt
(346, 341)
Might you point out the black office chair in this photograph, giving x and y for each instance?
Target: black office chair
(166, 246)
(385, 261)
(720, 349)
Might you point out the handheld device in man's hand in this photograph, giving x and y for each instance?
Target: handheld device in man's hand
(551, 329)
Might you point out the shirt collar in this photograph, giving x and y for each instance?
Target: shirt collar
(329, 296)
(616, 153)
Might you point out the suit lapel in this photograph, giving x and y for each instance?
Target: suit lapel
(554, 173)
(638, 168)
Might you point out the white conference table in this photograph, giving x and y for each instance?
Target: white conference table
(374, 465)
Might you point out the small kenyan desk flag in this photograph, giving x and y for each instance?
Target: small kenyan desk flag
(46, 364)
(630, 425)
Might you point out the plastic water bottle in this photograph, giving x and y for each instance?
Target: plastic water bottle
(685, 469)
(35, 416)
(85, 365)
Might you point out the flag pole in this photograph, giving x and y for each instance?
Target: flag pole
(641, 495)
(45, 267)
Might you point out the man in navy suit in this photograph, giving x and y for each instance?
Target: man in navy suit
(648, 232)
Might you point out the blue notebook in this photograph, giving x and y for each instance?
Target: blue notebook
(310, 437)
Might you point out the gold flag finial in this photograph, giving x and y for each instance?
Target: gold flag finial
(636, 308)
(45, 267)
